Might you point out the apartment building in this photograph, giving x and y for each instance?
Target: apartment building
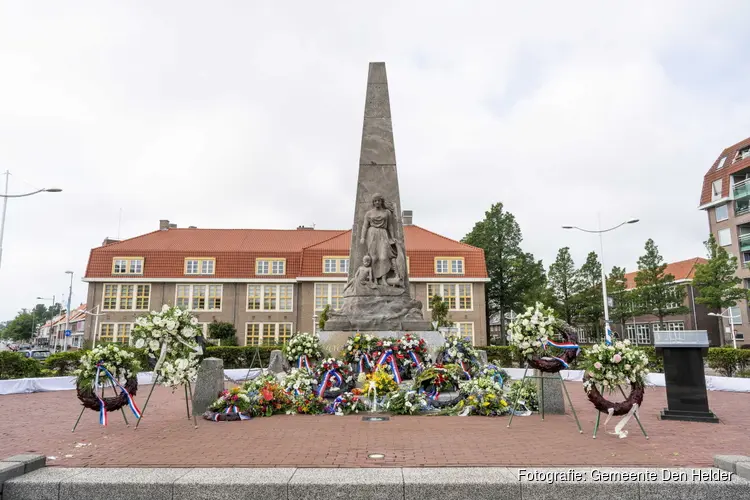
(640, 329)
(726, 199)
(269, 283)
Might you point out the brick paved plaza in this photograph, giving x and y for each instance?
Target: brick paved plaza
(42, 422)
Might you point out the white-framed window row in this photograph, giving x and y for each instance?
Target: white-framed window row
(200, 266)
(270, 297)
(115, 333)
(333, 264)
(329, 294)
(669, 326)
(466, 330)
(459, 296)
(268, 333)
(449, 265)
(639, 333)
(127, 265)
(267, 265)
(126, 296)
(721, 212)
(201, 297)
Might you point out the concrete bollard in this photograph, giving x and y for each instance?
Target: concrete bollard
(209, 384)
(276, 363)
(554, 404)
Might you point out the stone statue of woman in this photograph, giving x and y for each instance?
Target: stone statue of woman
(378, 234)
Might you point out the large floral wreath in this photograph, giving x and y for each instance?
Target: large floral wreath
(535, 333)
(303, 349)
(171, 337)
(414, 351)
(108, 365)
(458, 350)
(357, 351)
(300, 381)
(232, 404)
(333, 376)
(436, 379)
(611, 365)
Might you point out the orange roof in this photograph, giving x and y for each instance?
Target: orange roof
(682, 270)
(729, 167)
(235, 251)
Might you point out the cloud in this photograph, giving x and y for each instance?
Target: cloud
(245, 116)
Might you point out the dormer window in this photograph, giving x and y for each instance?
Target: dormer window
(335, 265)
(716, 190)
(270, 266)
(199, 266)
(127, 265)
(721, 163)
(449, 265)
(742, 153)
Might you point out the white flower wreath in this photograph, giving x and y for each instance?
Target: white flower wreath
(610, 366)
(530, 331)
(170, 337)
(303, 344)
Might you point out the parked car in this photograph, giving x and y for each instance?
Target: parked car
(38, 354)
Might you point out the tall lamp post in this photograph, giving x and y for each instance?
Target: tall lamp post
(731, 325)
(67, 313)
(5, 206)
(600, 231)
(52, 317)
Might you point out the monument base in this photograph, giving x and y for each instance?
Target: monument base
(689, 416)
(333, 342)
(372, 326)
(378, 313)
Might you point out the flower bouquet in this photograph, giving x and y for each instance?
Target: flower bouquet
(307, 403)
(610, 366)
(173, 339)
(232, 404)
(414, 350)
(389, 351)
(303, 349)
(525, 392)
(406, 402)
(436, 379)
(333, 377)
(269, 399)
(254, 385)
(300, 382)
(357, 352)
(383, 380)
(108, 365)
(457, 350)
(345, 404)
(533, 334)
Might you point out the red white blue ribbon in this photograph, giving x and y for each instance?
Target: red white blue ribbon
(463, 367)
(561, 345)
(607, 334)
(415, 358)
(131, 402)
(302, 361)
(326, 378)
(365, 358)
(388, 357)
(102, 407)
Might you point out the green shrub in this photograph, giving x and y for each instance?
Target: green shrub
(63, 363)
(240, 357)
(16, 365)
(655, 361)
(223, 331)
(503, 356)
(727, 360)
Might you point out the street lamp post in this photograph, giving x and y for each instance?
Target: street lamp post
(67, 313)
(600, 231)
(731, 325)
(5, 206)
(51, 317)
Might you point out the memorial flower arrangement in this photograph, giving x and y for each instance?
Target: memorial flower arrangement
(357, 351)
(332, 375)
(345, 404)
(414, 350)
(494, 373)
(406, 402)
(383, 379)
(234, 400)
(300, 381)
(270, 398)
(307, 403)
(302, 349)
(438, 378)
(255, 384)
(171, 337)
(530, 330)
(458, 350)
(121, 363)
(381, 346)
(610, 366)
(483, 402)
(526, 392)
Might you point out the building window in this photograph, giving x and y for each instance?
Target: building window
(199, 266)
(127, 265)
(267, 333)
(639, 334)
(449, 265)
(725, 237)
(670, 326)
(721, 163)
(199, 297)
(734, 312)
(716, 190)
(329, 294)
(270, 297)
(457, 295)
(721, 212)
(270, 266)
(117, 333)
(335, 265)
(466, 330)
(742, 153)
(124, 297)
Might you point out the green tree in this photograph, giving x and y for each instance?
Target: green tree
(515, 276)
(718, 287)
(223, 331)
(564, 285)
(588, 301)
(656, 292)
(20, 328)
(622, 303)
(439, 312)
(324, 316)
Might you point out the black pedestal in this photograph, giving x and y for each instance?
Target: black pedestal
(687, 398)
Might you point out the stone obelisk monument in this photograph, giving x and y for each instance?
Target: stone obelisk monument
(377, 295)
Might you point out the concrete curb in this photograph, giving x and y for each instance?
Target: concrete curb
(53, 483)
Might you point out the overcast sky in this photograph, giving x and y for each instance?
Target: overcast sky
(249, 114)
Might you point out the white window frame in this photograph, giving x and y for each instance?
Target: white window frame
(736, 318)
(639, 333)
(263, 287)
(191, 295)
(329, 295)
(725, 214)
(716, 187)
(265, 266)
(441, 288)
(134, 266)
(458, 324)
(204, 266)
(446, 265)
(669, 326)
(340, 264)
(721, 163)
(117, 331)
(721, 240)
(135, 296)
(261, 325)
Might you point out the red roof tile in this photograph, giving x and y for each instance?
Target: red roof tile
(682, 270)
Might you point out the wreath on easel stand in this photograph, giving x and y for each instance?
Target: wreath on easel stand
(108, 366)
(609, 366)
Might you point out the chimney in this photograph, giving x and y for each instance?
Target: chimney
(192, 227)
(305, 228)
(163, 225)
(109, 241)
(407, 217)
(173, 226)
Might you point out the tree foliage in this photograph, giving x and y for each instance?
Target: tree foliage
(589, 300)
(564, 285)
(20, 328)
(516, 278)
(224, 331)
(440, 312)
(656, 291)
(622, 300)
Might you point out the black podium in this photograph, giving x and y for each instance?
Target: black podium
(683, 352)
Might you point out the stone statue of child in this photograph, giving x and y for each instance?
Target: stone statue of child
(363, 276)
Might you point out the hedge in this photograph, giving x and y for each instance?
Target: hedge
(239, 356)
(17, 365)
(728, 361)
